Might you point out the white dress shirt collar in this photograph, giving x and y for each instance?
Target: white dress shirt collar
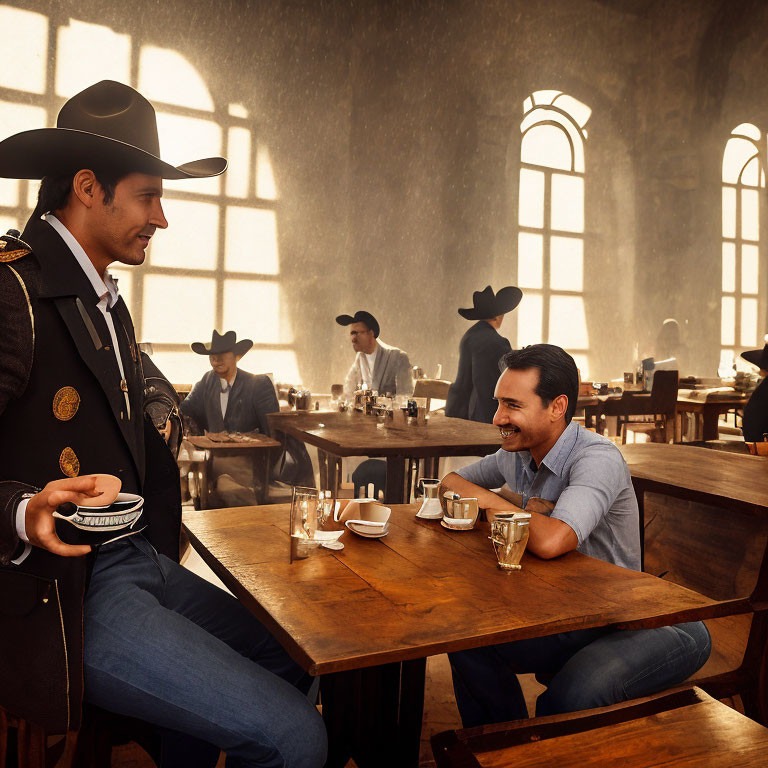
(226, 384)
(104, 285)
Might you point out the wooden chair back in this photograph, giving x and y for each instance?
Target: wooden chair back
(664, 392)
(432, 388)
(681, 728)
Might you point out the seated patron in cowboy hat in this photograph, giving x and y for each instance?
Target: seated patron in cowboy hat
(755, 422)
(578, 490)
(378, 366)
(153, 640)
(480, 350)
(228, 399)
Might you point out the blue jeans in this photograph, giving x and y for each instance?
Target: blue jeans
(588, 668)
(166, 646)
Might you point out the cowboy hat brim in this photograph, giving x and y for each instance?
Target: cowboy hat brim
(504, 301)
(59, 151)
(758, 357)
(361, 316)
(239, 348)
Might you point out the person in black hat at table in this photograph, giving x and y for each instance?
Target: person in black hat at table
(228, 399)
(158, 643)
(755, 422)
(480, 350)
(377, 366)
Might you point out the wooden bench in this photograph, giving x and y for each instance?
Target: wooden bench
(721, 552)
(685, 727)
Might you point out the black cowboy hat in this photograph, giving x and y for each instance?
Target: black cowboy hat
(107, 126)
(226, 342)
(758, 357)
(361, 316)
(488, 305)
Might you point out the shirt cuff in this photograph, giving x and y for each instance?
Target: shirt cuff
(21, 513)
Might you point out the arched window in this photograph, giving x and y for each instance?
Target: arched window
(550, 245)
(743, 177)
(217, 265)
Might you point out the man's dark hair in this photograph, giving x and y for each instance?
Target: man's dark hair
(55, 190)
(558, 374)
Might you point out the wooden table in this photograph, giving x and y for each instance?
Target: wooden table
(733, 480)
(708, 413)
(367, 617)
(355, 434)
(261, 449)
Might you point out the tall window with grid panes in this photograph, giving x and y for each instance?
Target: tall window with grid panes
(217, 265)
(550, 242)
(742, 309)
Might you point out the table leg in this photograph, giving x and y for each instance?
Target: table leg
(262, 466)
(395, 491)
(207, 478)
(374, 715)
(639, 489)
(755, 700)
(709, 424)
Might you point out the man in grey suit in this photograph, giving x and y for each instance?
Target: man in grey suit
(377, 366)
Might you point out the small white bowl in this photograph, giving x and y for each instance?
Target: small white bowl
(365, 509)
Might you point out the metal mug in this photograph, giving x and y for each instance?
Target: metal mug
(509, 536)
(458, 510)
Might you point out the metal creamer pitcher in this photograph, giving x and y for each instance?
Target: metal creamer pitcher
(509, 536)
(430, 506)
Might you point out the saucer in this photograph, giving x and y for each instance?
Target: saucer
(433, 516)
(367, 532)
(456, 527)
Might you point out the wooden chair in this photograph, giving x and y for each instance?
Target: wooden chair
(685, 727)
(661, 404)
(432, 389)
(720, 552)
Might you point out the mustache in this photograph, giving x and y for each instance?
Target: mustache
(148, 232)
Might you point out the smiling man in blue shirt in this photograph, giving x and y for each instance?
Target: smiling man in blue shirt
(579, 492)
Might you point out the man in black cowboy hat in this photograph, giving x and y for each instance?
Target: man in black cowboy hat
(152, 640)
(228, 399)
(755, 422)
(378, 366)
(480, 349)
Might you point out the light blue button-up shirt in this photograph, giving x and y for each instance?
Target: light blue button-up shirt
(587, 479)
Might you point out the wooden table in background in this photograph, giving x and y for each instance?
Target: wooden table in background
(366, 617)
(707, 414)
(355, 434)
(261, 449)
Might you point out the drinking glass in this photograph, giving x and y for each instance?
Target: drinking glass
(303, 522)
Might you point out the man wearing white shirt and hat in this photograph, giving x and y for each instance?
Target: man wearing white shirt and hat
(377, 366)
